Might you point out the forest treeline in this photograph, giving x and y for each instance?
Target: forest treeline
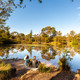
(48, 35)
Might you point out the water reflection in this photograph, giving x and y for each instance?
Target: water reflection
(48, 54)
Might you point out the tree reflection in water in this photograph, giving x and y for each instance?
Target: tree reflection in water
(29, 49)
(47, 52)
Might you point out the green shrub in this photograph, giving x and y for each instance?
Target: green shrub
(63, 64)
(64, 61)
(43, 68)
(50, 70)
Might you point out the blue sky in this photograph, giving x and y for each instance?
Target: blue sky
(64, 15)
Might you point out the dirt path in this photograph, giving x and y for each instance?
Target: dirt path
(55, 75)
(35, 75)
(64, 75)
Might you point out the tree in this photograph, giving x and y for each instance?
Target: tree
(21, 1)
(72, 33)
(37, 38)
(4, 34)
(5, 10)
(69, 38)
(7, 6)
(29, 38)
(13, 35)
(59, 33)
(50, 31)
(44, 36)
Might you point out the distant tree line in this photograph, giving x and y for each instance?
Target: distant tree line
(48, 35)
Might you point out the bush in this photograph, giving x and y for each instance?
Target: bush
(63, 62)
(43, 68)
(50, 70)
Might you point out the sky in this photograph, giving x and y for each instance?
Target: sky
(64, 15)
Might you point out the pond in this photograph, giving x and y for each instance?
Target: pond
(45, 53)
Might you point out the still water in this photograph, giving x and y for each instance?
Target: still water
(46, 54)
